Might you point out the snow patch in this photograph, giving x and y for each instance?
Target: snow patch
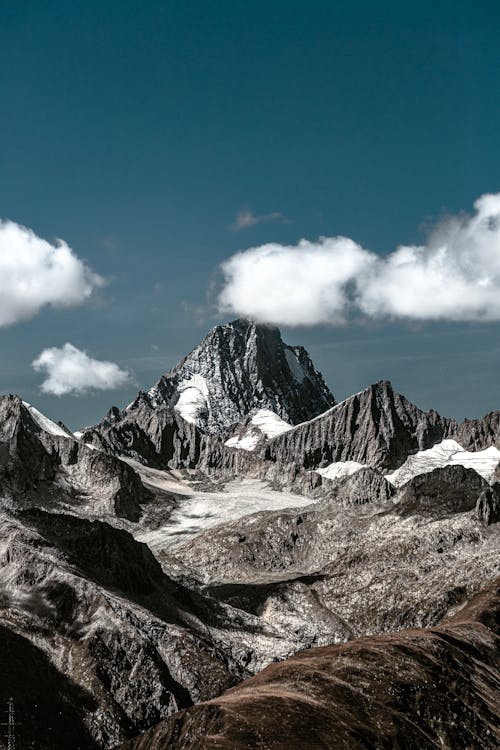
(339, 469)
(205, 510)
(45, 423)
(446, 453)
(269, 423)
(193, 398)
(247, 442)
(264, 422)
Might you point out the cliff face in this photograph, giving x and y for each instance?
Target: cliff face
(53, 469)
(238, 367)
(477, 434)
(432, 689)
(377, 427)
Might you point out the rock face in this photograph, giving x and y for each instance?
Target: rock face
(237, 368)
(377, 427)
(477, 434)
(488, 505)
(50, 469)
(428, 689)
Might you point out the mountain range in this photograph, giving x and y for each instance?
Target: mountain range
(237, 560)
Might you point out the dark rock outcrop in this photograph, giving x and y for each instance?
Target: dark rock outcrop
(451, 489)
(364, 486)
(488, 505)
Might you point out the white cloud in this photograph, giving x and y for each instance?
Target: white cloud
(454, 276)
(69, 370)
(247, 219)
(301, 285)
(35, 273)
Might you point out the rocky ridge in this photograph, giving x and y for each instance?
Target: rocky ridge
(53, 470)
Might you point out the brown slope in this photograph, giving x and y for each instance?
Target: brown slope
(427, 689)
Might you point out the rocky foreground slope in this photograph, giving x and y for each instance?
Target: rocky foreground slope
(89, 607)
(435, 688)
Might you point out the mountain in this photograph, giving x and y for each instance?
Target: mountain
(42, 463)
(377, 427)
(238, 367)
(429, 689)
(240, 404)
(230, 517)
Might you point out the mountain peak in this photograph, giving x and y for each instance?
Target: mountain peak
(237, 367)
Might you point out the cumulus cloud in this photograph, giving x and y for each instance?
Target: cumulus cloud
(69, 370)
(247, 219)
(454, 276)
(34, 273)
(300, 285)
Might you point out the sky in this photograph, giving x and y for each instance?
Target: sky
(158, 150)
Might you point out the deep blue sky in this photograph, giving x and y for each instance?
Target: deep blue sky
(136, 131)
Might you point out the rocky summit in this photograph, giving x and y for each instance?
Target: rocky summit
(235, 560)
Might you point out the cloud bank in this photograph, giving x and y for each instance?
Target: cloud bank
(455, 276)
(69, 370)
(247, 219)
(35, 273)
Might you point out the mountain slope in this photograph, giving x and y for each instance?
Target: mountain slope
(377, 427)
(50, 468)
(428, 689)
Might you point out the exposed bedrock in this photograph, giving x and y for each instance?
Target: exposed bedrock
(429, 689)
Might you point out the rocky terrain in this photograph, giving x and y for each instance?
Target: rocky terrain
(323, 570)
(238, 368)
(229, 518)
(428, 689)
